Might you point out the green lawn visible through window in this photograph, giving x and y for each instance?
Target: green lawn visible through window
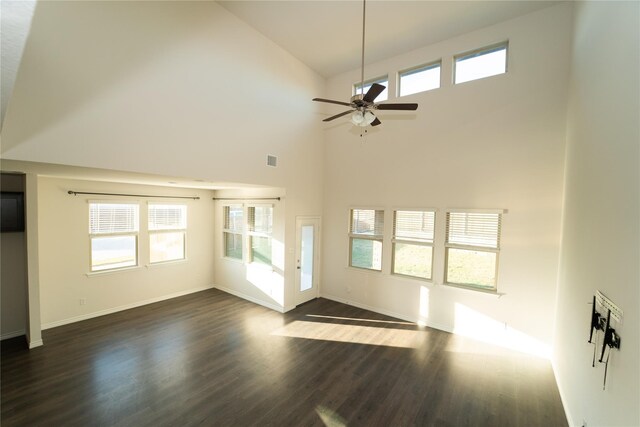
(261, 249)
(366, 253)
(413, 260)
(468, 267)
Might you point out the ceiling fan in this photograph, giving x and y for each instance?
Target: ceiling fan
(362, 105)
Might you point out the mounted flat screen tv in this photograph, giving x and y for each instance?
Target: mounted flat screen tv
(12, 211)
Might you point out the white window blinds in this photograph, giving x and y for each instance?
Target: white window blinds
(414, 225)
(367, 222)
(233, 219)
(109, 218)
(260, 219)
(167, 217)
(474, 229)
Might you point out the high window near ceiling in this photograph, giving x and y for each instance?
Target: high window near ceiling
(384, 81)
(366, 231)
(419, 79)
(413, 243)
(481, 63)
(471, 249)
(167, 232)
(113, 232)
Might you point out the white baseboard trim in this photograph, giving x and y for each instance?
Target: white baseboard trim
(13, 334)
(562, 395)
(387, 312)
(249, 298)
(36, 343)
(122, 307)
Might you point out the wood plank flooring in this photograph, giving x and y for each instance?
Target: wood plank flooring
(210, 358)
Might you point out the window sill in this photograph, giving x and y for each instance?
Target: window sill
(236, 260)
(165, 263)
(489, 292)
(411, 278)
(363, 270)
(112, 271)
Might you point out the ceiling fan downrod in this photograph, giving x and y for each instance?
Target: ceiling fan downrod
(364, 12)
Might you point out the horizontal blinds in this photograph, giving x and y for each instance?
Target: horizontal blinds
(260, 219)
(367, 222)
(414, 225)
(167, 217)
(106, 218)
(233, 218)
(474, 229)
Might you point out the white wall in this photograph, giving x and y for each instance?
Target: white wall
(600, 239)
(64, 252)
(496, 143)
(170, 88)
(13, 281)
(255, 282)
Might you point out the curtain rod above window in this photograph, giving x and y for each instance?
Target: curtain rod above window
(246, 198)
(75, 193)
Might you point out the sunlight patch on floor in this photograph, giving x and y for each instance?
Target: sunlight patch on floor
(352, 334)
(329, 417)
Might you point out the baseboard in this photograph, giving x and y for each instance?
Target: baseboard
(36, 343)
(122, 307)
(250, 298)
(386, 312)
(562, 395)
(13, 334)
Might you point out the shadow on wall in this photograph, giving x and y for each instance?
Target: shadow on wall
(86, 48)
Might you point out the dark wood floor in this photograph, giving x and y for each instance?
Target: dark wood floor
(213, 359)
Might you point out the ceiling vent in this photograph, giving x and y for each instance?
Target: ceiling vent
(272, 160)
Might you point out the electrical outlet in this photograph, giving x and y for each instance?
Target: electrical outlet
(83, 301)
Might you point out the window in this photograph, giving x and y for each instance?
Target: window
(167, 230)
(478, 64)
(260, 227)
(471, 249)
(232, 233)
(420, 79)
(384, 81)
(113, 231)
(413, 243)
(365, 238)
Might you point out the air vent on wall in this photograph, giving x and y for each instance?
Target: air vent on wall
(272, 160)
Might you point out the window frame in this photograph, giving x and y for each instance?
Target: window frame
(241, 233)
(166, 231)
(249, 234)
(415, 70)
(416, 242)
(485, 50)
(135, 234)
(371, 237)
(384, 79)
(495, 250)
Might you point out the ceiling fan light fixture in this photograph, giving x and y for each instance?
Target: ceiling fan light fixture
(358, 119)
(362, 103)
(369, 117)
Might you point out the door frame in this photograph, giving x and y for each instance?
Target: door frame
(317, 259)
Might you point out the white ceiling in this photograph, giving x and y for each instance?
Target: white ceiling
(327, 35)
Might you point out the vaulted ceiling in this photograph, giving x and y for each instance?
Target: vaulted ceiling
(327, 35)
